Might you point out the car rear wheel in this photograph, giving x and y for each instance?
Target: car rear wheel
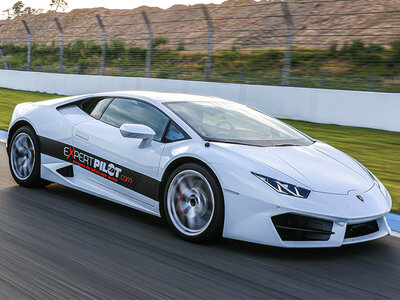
(194, 205)
(24, 158)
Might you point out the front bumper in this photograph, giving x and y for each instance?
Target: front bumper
(340, 237)
(249, 217)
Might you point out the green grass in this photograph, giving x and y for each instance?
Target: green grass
(10, 98)
(378, 150)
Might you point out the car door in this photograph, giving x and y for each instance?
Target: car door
(116, 163)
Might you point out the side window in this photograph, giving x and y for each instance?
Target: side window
(95, 106)
(174, 134)
(128, 111)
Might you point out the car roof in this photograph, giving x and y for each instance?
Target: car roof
(161, 97)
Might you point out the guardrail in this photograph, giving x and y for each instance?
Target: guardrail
(351, 108)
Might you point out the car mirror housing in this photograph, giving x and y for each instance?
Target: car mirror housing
(138, 131)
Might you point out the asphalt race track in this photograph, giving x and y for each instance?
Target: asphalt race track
(59, 243)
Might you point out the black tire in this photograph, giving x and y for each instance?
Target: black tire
(213, 229)
(33, 179)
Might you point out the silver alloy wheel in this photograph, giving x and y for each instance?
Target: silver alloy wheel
(22, 156)
(190, 202)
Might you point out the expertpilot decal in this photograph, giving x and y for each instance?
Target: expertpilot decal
(95, 165)
(123, 176)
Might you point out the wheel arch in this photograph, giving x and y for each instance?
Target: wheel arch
(175, 164)
(15, 127)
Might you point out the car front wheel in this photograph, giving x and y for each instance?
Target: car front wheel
(24, 158)
(194, 205)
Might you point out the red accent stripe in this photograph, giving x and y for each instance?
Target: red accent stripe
(71, 152)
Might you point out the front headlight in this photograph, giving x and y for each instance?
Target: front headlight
(284, 187)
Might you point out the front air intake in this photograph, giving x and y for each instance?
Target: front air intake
(292, 227)
(356, 230)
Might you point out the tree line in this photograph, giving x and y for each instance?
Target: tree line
(19, 8)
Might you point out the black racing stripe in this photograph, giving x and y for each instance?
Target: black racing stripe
(116, 173)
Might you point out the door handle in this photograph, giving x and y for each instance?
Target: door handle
(81, 135)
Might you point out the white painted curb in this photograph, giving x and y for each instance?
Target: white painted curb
(395, 234)
(3, 136)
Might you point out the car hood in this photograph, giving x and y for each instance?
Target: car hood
(318, 167)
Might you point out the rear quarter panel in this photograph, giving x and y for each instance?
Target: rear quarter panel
(45, 117)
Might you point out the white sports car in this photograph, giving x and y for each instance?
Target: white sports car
(211, 167)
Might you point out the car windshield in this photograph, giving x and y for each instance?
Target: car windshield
(231, 122)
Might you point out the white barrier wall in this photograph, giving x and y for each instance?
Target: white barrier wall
(354, 108)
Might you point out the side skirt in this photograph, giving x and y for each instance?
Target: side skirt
(49, 168)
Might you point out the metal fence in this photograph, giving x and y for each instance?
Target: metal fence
(326, 44)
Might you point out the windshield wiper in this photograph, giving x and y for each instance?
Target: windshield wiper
(227, 142)
(285, 145)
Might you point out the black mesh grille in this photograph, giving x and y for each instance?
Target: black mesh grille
(292, 227)
(356, 230)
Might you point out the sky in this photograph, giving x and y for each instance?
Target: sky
(129, 4)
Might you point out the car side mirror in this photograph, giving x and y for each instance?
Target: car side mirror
(138, 131)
